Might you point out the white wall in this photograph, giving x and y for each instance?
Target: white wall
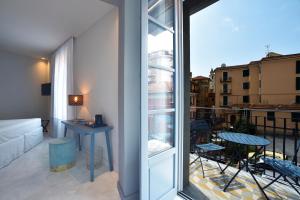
(20, 87)
(96, 75)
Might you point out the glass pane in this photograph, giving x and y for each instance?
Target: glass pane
(160, 88)
(161, 132)
(160, 46)
(162, 11)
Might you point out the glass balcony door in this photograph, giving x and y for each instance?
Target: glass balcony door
(159, 100)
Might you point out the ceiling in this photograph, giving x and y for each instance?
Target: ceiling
(37, 27)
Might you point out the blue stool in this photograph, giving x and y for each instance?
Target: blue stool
(62, 154)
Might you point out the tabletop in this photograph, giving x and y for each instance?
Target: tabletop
(242, 138)
(84, 128)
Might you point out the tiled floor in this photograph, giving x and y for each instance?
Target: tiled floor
(29, 178)
(243, 187)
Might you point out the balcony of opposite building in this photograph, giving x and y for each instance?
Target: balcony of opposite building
(225, 91)
(225, 80)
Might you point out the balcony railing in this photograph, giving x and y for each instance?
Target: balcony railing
(228, 104)
(281, 130)
(228, 79)
(225, 92)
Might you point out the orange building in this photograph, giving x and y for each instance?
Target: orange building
(270, 86)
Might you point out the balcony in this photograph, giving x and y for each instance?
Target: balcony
(282, 132)
(228, 104)
(243, 187)
(225, 92)
(226, 80)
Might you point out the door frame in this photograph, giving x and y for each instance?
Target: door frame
(188, 8)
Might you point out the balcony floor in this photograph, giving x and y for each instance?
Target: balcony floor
(243, 187)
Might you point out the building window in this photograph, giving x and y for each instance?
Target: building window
(271, 116)
(225, 100)
(298, 67)
(245, 72)
(295, 116)
(246, 85)
(245, 99)
(225, 88)
(225, 76)
(297, 83)
(297, 99)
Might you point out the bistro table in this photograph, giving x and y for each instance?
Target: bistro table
(243, 141)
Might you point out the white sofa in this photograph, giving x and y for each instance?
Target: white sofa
(18, 136)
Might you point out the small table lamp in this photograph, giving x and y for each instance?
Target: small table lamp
(75, 100)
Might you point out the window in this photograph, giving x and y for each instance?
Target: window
(225, 76)
(297, 99)
(225, 88)
(225, 100)
(270, 116)
(62, 81)
(161, 77)
(245, 99)
(245, 72)
(295, 116)
(246, 85)
(298, 67)
(297, 83)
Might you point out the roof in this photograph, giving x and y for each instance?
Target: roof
(232, 67)
(270, 56)
(281, 57)
(200, 78)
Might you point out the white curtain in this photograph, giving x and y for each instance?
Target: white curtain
(62, 86)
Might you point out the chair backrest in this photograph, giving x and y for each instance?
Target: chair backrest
(201, 129)
(199, 125)
(297, 150)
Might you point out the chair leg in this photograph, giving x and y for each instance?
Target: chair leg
(293, 186)
(202, 166)
(195, 160)
(219, 166)
(272, 182)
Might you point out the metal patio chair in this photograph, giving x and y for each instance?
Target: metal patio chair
(285, 168)
(201, 129)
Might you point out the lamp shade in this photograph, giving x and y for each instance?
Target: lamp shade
(75, 100)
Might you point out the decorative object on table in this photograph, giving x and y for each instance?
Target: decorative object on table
(75, 100)
(45, 123)
(201, 129)
(97, 123)
(98, 119)
(62, 154)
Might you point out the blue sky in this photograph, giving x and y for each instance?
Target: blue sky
(236, 32)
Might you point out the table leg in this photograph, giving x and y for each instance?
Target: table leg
(109, 152)
(232, 179)
(65, 132)
(261, 189)
(233, 156)
(92, 146)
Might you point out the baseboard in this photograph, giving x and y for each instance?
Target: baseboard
(133, 196)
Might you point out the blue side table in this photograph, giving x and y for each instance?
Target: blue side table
(62, 154)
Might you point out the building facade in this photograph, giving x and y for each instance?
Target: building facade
(272, 83)
(200, 96)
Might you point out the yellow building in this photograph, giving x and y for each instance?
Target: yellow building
(270, 88)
